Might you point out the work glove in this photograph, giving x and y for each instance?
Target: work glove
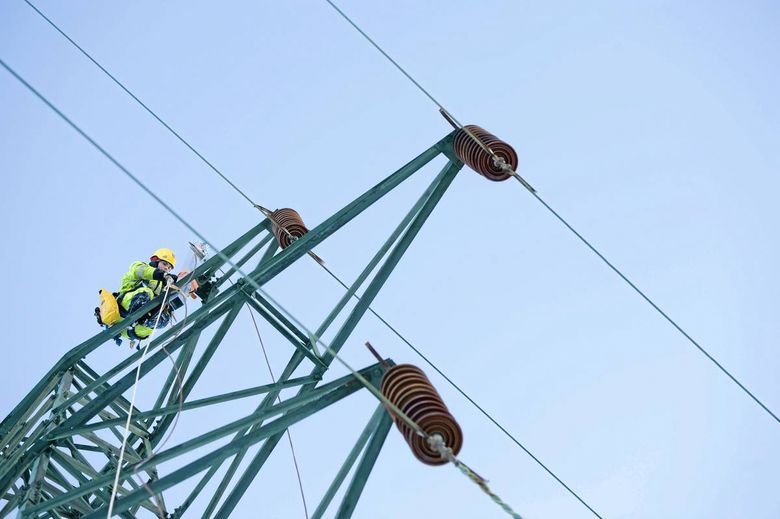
(165, 277)
(171, 279)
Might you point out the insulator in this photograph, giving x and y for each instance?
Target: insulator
(287, 226)
(475, 156)
(408, 388)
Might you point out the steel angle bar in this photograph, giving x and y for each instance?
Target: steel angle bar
(178, 370)
(288, 330)
(271, 429)
(363, 470)
(200, 366)
(211, 265)
(194, 404)
(102, 400)
(249, 255)
(368, 431)
(340, 388)
(292, 364)
(351, 291)
(442, 182)
(342, 217)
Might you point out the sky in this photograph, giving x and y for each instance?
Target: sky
(651, 126)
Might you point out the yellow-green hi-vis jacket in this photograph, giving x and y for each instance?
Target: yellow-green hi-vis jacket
(139, 279)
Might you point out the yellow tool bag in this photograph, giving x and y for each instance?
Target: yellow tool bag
(109, 308)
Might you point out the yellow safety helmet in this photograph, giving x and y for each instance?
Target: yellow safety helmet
(164, 254)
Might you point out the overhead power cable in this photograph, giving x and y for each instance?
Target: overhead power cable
(434, 441)
(267, 214)
(499, 161)
(137, 100)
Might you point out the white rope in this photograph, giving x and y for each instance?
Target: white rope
(126, 433)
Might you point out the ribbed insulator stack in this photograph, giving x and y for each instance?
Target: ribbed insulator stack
(475, 156)
(408, 388)
(289, 220)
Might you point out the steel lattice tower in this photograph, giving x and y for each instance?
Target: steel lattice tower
(60, 444)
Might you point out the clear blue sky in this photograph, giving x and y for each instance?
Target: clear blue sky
(652, 126)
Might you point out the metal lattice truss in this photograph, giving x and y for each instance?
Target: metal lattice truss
(60, 445)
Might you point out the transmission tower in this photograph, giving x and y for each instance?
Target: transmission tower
(61, 443)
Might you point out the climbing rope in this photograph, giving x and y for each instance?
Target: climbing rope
(180, 397)
(126, 433)
(279, 399)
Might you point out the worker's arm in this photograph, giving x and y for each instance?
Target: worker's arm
(146, 272)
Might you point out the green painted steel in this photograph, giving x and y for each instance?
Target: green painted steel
(367, 433)
(360, 477)
(59, 445)
(440, 185)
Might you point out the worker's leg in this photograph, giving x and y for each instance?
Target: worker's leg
(155, 318)
(132, 302)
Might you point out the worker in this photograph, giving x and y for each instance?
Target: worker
(142, 283)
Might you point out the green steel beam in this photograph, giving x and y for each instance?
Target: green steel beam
(175, 381)
(368, 431)
(341, 387)
(345, 389)
(100, 396)
(364, 468)
(186, 406)
(82, 350)
(9, 427)
(213, 264)
(99, 402)
(345, 215)
(374, 262)
(249, 255)
(292, 364)
(441, 183)
(260, 458)
(271, 312)
(288, 330)
(197, 371)
(269, 253)
(151, 361)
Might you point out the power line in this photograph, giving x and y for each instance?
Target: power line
(384, 400)
(149, 110)
(655, 306)
(215, 169)
(471, 400)
(508, 168)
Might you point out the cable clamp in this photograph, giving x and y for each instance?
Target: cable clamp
(500, 163)
(436, 442)
(262, 209)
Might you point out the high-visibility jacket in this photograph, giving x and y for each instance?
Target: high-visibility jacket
(138, 278)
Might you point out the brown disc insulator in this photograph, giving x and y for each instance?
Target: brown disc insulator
(408, 388)
(478, 159)
(287, 226)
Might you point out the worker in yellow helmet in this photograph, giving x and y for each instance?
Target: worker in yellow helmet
(142, 283)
